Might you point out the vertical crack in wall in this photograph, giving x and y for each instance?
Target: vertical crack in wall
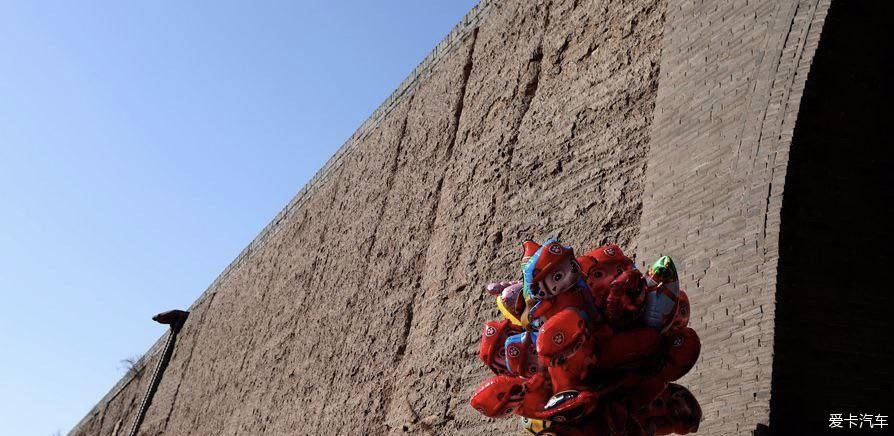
(389, 182)
(102, 415)
(438, 192)
(408, 324)
(389, 186)
(528, 92)
(409, 308)
(461, 100)
(767, 207)
(118, 426)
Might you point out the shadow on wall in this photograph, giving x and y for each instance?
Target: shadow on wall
(835, 303)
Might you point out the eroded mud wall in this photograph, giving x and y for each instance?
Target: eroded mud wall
(357, 311)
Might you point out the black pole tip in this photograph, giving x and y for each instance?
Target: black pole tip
(172, 317)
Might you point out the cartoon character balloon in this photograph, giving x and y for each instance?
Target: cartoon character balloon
(589, 345)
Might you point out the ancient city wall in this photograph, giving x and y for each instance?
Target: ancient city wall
(663, 126)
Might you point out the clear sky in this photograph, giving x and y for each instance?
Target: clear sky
(144, 144)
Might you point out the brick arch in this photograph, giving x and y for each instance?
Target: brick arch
(833, 352)
(732, 77)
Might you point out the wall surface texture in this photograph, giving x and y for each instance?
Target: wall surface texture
(732, 77)
(661, 125)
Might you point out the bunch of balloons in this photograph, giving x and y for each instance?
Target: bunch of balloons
(589, 345)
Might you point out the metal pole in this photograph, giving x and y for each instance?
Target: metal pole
(175, 319)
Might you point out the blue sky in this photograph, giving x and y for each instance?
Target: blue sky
(143, 145)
